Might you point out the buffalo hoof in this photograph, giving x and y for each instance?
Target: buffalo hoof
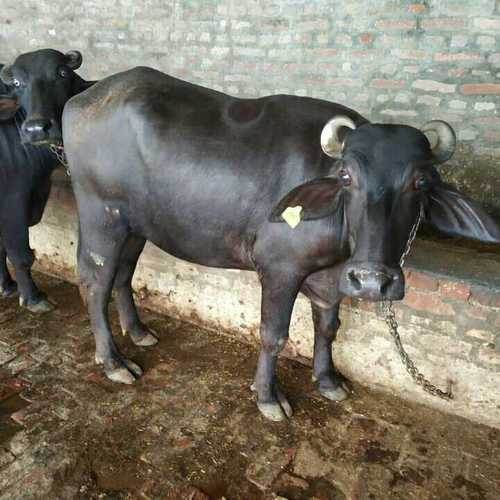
(127, 373)
(144, 338)
(337, 394)
(9, 290)
(275, 411)
(40, 307)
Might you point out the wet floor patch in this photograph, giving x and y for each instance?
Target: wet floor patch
(189, 428)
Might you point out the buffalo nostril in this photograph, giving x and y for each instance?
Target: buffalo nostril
(386, 281)
(47, 126)
(353, 278)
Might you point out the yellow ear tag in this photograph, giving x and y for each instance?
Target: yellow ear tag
(291, 215)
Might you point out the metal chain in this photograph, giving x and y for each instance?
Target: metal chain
(390, 319)
(58, 150)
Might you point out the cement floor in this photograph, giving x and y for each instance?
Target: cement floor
(189, 429)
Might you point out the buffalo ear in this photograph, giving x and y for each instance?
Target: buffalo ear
(74, 59)
(453, 213)
(6, 75)
(318, 198)
(8, 107)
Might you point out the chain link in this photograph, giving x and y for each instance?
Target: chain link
(58, 150)
(390, 319)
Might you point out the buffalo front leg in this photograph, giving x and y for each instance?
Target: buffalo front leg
(99, 252)
(8, 286)
(15, 237)
(326, 324)
(279, 292)
(129, 319)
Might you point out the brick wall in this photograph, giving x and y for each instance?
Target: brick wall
(391, 60)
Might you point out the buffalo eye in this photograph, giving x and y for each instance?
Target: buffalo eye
(422, 183)
(345, 177)
(16, 82)
(63, 71)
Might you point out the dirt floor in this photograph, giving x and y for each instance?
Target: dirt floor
(189, 429)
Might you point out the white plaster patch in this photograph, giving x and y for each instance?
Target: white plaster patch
(98, 259)
(484, 106)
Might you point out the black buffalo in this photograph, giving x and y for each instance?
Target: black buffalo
(26, 166)
(25, 172)
(207, 177)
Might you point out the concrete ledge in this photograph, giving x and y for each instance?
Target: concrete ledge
(449, 321)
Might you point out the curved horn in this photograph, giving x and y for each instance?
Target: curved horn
(441, 138)
(6, 75)
(330, 141)
(74, 59)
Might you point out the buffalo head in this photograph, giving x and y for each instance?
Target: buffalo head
(382, 177)
(41, 83)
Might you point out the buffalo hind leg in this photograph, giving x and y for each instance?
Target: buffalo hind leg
(8, 287)
(99, 253)
(129, 319)
(326, 324)
(279, 291)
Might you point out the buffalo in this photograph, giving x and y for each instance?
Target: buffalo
(308, 193)
(26, 166)
(25, 172)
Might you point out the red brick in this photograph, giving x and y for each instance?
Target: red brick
(20, 416)
(457, 72)
(314, 79)
(492, 136)
(326, 52)
(477, 312)
(272, 68)
(443, 23)
(488, 355)
(416, 8)
(366, 305)
(454, 290)
(345, 82)
(487, 121)
(95, 376)
(428, 302)
(445, 345)
(415, 54)
(396, 24)
(485, 296)
(480, 88)
(457, 56)
(303, 38)
(185, 492)
(434, 86)
(6, 391)
(319, 24)
(484, 335)
(366, 38)
(367, 53)
(496, 322)
(184, 442)
(381, 83)
(347, 302)
(422, 281)
(487, 23)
